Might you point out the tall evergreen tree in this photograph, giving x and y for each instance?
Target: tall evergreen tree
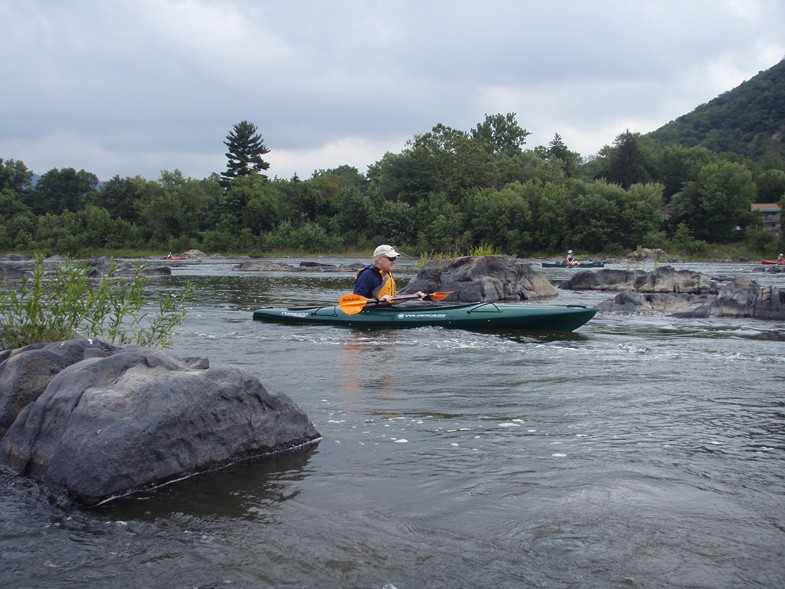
(628, 164)
(557, 150)
(246, 148)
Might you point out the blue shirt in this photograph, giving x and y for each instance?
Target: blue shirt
(368, 282)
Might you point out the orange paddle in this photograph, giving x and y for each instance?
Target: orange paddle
(354, 303)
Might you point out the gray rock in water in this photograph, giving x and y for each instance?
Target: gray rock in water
(14, 268)
(139, 418)
(262, 266)
(630, 302)
(26, 372)
(482, 278)
(742, 298)
(662, 280)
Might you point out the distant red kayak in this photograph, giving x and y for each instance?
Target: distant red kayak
(172, 258)
(772, 263)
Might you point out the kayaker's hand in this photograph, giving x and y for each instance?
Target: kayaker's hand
(420, 294)
(386, 299)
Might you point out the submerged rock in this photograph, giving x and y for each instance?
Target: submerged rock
(118, 420)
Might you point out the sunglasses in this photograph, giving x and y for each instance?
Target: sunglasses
(391, 259)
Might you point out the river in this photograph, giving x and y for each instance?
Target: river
(636, 452)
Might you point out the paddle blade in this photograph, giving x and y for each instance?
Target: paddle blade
(438, 296)
(351, 304)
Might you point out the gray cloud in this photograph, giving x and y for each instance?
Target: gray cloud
(135, 87)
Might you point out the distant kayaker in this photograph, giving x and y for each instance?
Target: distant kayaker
(376, 282)
(571, 261)
(781, 259)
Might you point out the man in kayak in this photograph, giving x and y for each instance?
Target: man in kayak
(376, 282)
(571, 261)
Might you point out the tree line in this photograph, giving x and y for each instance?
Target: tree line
(447, 190)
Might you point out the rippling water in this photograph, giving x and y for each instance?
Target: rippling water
(635, 452)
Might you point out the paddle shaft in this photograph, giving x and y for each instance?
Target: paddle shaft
(354, 303)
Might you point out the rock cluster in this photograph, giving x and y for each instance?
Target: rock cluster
(681, 293)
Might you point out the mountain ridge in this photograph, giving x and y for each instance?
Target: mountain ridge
(748, 120)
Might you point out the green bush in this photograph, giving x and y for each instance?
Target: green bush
(71, 303)
(761, 241)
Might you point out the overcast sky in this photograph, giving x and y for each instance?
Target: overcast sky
(133, 87)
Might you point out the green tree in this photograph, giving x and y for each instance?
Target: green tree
(640, 214)
(104, 230)
(501, 134)
(16, 216)
(716, 202)
(62, 190)
(264, 207)
(246, 148)
(402, 176)
(501, 218)
(354, 219)
(171, 209)
(771, 185)
(627, 165)
(549, 202)
(118, 196)
(15, 176)
(440, 224)
(676, 165)
(558, 151)
(60, 234)
(593, 215)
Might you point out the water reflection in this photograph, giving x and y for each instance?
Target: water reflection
(229, 492)
(364, 363)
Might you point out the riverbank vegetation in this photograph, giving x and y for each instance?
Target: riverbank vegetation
(447, 190)
(66, 301)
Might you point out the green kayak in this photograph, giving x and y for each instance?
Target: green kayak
(471, 316)
(578, 265)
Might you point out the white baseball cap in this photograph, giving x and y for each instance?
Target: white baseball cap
(385, 250)
(569, 251)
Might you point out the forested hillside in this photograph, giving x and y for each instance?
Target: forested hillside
(748, 120)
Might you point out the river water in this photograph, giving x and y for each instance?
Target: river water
(636, 452)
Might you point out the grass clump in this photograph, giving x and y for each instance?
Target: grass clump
(72, 303)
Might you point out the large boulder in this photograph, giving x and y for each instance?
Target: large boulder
(108, 425)
(26, 372)
(482, 278)
(662, 280)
